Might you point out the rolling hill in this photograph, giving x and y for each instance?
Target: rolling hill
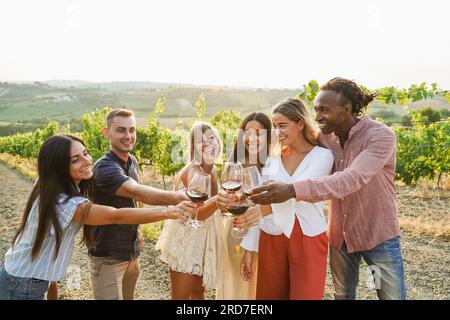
(68, 100)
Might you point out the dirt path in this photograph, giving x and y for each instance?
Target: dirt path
(427, 262)
(14, 191)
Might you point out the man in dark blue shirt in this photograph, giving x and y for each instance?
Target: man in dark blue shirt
(114, 258)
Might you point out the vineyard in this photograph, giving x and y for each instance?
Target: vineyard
(422, 159)
(422, 144)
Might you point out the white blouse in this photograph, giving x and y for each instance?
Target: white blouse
(318, 162)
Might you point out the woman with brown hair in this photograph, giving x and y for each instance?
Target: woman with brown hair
(57, 208)
(252, 148)
(292, 242)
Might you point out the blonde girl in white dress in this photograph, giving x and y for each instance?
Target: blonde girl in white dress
(194, 255)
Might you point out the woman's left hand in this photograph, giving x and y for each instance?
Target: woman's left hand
(250, 218)
(224, 199)
(246, 269)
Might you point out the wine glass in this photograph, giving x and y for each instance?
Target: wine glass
(231, 180)
(198, 190)
(251, 179)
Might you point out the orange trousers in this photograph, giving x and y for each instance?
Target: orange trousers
(292, 268)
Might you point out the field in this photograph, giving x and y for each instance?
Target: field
(424, 216)
(424, 212)
(25, 102)
(35, 104)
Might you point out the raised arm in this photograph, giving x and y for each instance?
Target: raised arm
(92, 214)
(367, 164)
(109, 178)
(252, 216)
(207, 209)
(149, 195)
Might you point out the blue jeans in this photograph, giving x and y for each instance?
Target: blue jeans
(385, 272)
(17, 288)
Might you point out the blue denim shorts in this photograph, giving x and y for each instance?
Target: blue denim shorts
(18, 288)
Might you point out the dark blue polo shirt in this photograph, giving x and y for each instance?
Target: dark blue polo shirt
(116, 241)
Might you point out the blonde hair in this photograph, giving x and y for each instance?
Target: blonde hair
(118, 113)
(296, 111)
(199, 128)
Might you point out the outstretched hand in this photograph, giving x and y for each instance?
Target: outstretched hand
(250, 218)
(225, 200)
(181, 211)
(180, 195)
(272, 192)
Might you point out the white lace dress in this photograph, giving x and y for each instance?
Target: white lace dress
(192, 251)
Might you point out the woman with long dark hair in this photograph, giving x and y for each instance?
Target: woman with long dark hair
(56, 209)
(252, 148)
(292, 243)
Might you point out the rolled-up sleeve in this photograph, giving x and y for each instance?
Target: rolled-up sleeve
(367, 164)
(66, 209)
(250, 241)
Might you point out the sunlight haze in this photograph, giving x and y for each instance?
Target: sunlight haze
(236, 43)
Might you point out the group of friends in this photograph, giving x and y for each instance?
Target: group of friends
(349, 161)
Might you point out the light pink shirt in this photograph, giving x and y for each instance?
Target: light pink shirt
(363, 210)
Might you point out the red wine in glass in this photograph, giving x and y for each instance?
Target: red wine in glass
(198, 191)
(238, 210)
(197, 197)
(251, 179)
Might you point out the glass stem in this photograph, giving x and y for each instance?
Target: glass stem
(196, 214)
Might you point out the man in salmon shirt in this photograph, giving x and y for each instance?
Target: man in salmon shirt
(363, 214)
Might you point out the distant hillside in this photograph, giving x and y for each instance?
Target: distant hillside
(115, 85)
(65, 100)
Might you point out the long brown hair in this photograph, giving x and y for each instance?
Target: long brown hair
(54, 179)
(264, 120)
(296, 111)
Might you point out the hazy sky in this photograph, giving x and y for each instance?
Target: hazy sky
(258, 43)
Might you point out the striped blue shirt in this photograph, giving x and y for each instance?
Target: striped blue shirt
(18, 258)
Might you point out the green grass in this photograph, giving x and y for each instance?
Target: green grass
(25, 166)
(152, 231)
